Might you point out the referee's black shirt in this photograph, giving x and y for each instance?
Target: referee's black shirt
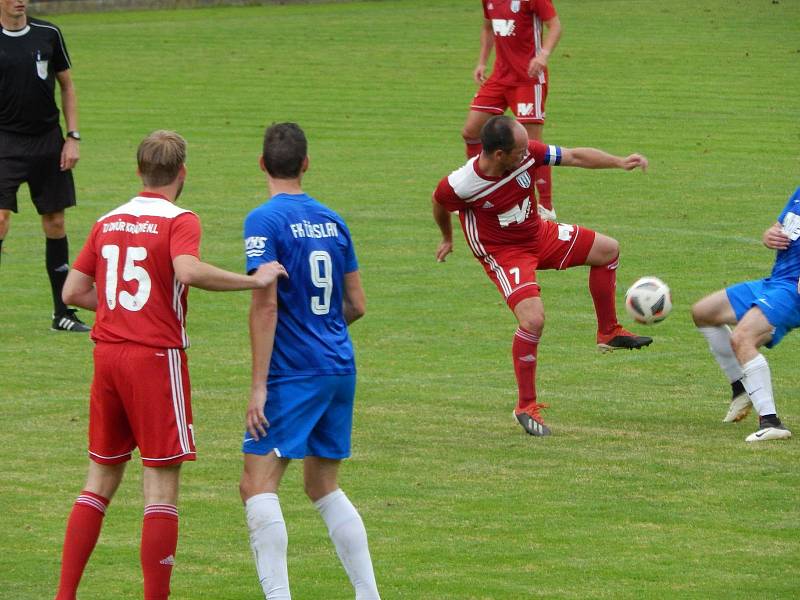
(29, 60)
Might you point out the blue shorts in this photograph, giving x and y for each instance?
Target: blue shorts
(778, 299)
(308, 416)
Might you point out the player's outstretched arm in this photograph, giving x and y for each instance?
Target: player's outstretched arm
(79, 290)
(192, 271)
(355, 301)
(592, 158)
(263, 320)
(442, 217)
(775, 239)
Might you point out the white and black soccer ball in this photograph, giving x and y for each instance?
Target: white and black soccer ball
(648, 300)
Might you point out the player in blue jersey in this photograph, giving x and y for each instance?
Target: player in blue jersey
(763, 311)
(303, 370)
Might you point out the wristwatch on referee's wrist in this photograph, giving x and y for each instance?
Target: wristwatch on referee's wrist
(74, 135)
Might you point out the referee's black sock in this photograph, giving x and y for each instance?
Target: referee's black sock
(56, 259)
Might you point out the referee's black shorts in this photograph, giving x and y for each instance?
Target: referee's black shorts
(35, 160)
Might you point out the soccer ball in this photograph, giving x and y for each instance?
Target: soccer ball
(648, 300)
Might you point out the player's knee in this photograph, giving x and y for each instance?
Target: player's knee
(5, 223)
(533, 323)
(247, 487)
(53, 225)
(699, 315)
(316, 489)
(470, 134)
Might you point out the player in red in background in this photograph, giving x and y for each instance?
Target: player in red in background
(497, 208)
(519, 79)
(134, 271)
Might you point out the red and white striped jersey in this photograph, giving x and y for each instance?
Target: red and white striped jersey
(517, 28)
(497, 211)
(129, 254)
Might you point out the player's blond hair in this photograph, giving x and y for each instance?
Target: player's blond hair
(160, 157)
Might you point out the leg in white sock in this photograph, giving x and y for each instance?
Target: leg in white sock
(719, 342)
(350, 538)
(758, 383)
(269, 540)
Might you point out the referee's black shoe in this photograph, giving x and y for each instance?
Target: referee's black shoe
(69, 321)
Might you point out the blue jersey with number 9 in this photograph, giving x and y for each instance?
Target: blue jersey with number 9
(314, 245)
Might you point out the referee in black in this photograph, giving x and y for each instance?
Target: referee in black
(33, 57)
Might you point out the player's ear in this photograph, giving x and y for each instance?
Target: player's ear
(261, 164)
(304, 168)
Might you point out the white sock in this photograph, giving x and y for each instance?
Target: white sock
(758, 384)
(719, 342)
(268, 539)
(350, 538)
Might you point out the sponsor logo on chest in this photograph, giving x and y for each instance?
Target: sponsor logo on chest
(503, 27)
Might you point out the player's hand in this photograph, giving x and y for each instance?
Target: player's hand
(268, 273)
(479, 74)
(70, 154)
(445, 248)
(775, 239)
(255, 421)
(629, 163)
(537, 64)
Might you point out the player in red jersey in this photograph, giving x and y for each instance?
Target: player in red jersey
(134, 271)
(494, 197)
(519, 80)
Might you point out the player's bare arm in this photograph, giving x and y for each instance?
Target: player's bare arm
(79, 290)
(551, 37)
(775, 239)
(192, 271)
(263, 320)
(354, 299)
(592, 158)
(487, 43)
(70, 153)
(442, 217)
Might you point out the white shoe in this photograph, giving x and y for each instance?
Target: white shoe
(769, 433)
(547, 215)
(739, 408)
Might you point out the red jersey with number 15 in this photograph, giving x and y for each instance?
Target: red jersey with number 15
(497, 211)
(517, 28)
(129, 254)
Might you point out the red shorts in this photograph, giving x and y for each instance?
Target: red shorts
(526, 101)
(140, 397)
(557, 246)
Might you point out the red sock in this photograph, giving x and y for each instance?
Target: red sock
(603, 286)
(83, 529)
(474, 148)
(544, 185)
(524, 350)
(159, 541)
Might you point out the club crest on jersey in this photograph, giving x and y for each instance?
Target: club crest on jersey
(524, 179)
(254, 246)
(515, 6)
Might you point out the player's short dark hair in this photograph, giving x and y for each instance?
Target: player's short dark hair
(285, 147)
(160, 157)
(498, 134)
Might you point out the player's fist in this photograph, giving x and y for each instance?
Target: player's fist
(268, 273)
(776, 239)
(632, 161)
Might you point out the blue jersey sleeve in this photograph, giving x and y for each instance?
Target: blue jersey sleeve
(792, 203)
(260, 241)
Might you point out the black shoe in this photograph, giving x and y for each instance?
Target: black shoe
(69, 321)
(531, 425)
(624, 340)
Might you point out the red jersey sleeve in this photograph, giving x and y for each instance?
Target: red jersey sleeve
(87, 259)
(185, 236)
(543, 8)
(446, 196)
(485, 10)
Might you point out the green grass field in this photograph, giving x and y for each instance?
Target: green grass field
(641, 493)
